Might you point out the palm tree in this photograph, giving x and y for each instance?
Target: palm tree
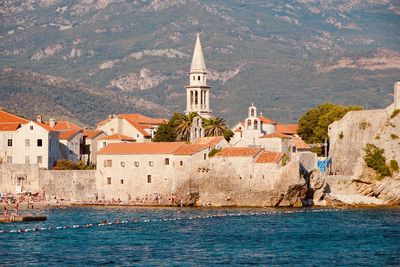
(215, 127)
(184, 125)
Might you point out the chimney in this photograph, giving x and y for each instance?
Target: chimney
(39, 118)
(52, 122)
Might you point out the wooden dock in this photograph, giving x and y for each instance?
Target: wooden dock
(22, 218)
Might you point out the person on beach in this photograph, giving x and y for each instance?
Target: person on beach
(16, 207)
(5, 211)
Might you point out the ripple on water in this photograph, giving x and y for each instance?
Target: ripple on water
(147, 236)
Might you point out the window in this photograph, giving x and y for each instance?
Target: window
(108, 163)
(205, 156)
(263, 177)
(31, 127)
(194, 78)
(9, 159)
(255, 124)
(39, 142)
(151, 163)
(252, 112)
(137, 163)
(27, 142)
(181, 163)
(104, 144)
(27, 160)
(9, 142)
(39, 159)
(149, 178)
(122, 163)
(122, 181)
(137, 135)
(198, 78)
(108, 180)
(248, 124)
(166, 161)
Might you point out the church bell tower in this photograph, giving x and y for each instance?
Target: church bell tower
(197, 92)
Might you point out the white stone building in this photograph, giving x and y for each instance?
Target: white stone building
(134, 170)
(36, 144)
(27, 142)
(137, 126)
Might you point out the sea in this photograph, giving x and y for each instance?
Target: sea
(132, 236)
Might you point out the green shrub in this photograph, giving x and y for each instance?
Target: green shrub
(394, 113)
(64, 164)
(364, 125)
(213, 152)
(394, 166)
(285, 160)
(375, 159)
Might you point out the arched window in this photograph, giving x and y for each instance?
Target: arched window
(248, 124)
(252, 112)
(255, 124)
(198, 78)
(194, 78)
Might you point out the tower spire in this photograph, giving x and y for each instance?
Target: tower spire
(198, 64)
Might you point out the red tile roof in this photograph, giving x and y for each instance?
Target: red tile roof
(276, 135)
(239, 152)
(66, 129)
(6, 117)
(118, 137)
(209, 141)
(189, 149)
(269, 157)
(299, 143)
(140, 122)
(266, 120)
(9, 126)
(287, 128)
(91, 134)
(140, 148)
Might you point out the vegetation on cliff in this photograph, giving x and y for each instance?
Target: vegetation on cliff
(375, 159)
(70, 165)
(313, 125)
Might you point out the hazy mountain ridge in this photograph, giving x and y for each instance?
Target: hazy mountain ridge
(283, 57)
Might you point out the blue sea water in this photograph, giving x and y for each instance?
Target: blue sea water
(205, 237)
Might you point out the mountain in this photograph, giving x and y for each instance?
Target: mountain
(134, 56)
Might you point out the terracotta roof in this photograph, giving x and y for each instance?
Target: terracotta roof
(141, 119)
(140, 148)
(266, 120)
(269, 157)
(65, 128)
(138, 127)
(118, 137)
(66, 135)
(299, 143)
(239, 152)
(189, 149)
(276, 135)
(91, 134)
(209, 141)
(9, 126)
(6, 117)
(287, 128)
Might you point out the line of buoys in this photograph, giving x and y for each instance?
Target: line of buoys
(126, 221)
